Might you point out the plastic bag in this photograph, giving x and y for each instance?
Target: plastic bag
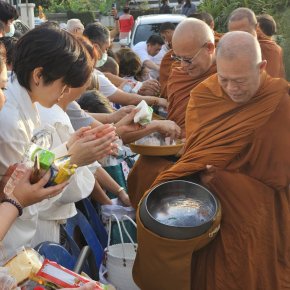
(7, 282)
(119, 210)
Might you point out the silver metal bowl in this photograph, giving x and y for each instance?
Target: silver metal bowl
(179, 210)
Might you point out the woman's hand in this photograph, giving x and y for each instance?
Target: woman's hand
(124, 197)
(121, 113)
(95, 144)
(27, 194)
(88, 286)
(127, 125)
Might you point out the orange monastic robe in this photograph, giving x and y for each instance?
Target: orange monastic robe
(273, 53)
(178, 91)
(217, 37)
(147, 168)
(249, 145)
(165, 69)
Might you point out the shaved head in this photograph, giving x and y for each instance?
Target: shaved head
(195, 30)
(239, 65)
(193, 43)
(239, 44)
(241, 13)
(243, 19)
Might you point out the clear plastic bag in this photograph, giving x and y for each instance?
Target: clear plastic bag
(7, 282)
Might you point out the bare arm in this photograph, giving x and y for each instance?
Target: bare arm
(164, 127)
(150, 64)
(116, 80)
(124, 98)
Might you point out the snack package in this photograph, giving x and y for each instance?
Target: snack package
(53, 273)
(43, 159)
(24, 265)
(61, 170)
(144, 116)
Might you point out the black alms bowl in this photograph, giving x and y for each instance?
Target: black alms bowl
(178, 210)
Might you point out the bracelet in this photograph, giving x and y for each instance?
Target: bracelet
(120, 189)
(15, 203)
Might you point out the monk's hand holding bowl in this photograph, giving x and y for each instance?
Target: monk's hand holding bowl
(208, 174)
(162, 103)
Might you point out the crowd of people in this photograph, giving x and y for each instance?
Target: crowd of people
(226, 98)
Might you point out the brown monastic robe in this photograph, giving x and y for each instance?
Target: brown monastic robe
(249, 145)
(147, 168)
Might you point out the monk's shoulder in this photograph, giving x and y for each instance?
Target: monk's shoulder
(207, 89)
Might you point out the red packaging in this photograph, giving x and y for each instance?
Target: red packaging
(53, 273)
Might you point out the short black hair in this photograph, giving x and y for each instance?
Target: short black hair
(7, 12)
(166, 26)
(155, 39)
(10, 45)
(97, 32)
(126, 9)
(94, 102)
(59, 53)
(267, 24)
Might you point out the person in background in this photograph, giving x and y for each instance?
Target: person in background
(75, 26)
(164, 8)
(94, 102)
(178, 8)
(129, 63)
(166, 31)
(188, 8)
(126, 22)
(98, 34)
(208, 19)
(244, 19)
(7, 15)
(10, 44)
(147, 50)
(267, 24)
(110, 66)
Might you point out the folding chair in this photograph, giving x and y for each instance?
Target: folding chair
(79, 223)
(56, 253)
(95, 221)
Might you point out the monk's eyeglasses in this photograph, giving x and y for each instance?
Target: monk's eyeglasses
(188, 60)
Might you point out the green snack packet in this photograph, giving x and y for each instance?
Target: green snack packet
(46, 158)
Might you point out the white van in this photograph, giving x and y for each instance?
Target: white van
(149, 24)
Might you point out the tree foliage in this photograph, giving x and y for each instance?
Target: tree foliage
(221, 9)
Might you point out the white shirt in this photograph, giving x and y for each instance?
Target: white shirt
(141, 50)
(80, 186)
(105, 85)
(19, 118)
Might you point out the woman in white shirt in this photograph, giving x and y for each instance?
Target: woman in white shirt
(47, 63)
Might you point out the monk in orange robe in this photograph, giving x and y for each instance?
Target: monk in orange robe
(244, 19)
(194, 69)
(166, 31)
(165, 69)
(241, 153)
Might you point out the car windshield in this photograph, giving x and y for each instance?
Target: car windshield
(145, 30)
